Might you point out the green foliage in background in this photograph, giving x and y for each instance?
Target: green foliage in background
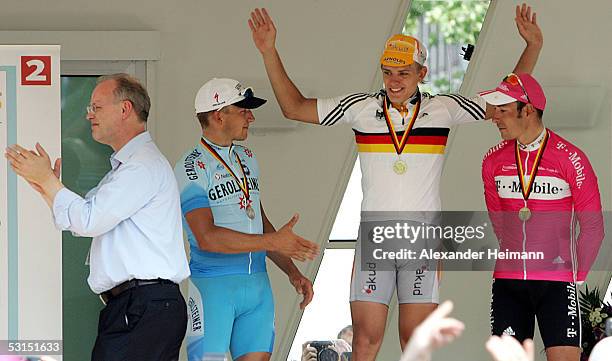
(459, 21)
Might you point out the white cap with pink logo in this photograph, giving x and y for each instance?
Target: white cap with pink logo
(221, 92)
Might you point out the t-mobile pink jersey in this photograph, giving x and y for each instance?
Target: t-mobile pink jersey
(564, 192)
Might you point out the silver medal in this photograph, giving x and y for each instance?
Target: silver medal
(250, 212)
(524, 214)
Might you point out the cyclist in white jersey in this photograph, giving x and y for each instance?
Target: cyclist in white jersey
(409, 165)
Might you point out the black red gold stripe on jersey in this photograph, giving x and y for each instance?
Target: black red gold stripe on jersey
(421, 140)
(400, 144)
(243, 185)
(526, 190)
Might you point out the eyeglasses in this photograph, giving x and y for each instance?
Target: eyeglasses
(92, 108)
(514, 79)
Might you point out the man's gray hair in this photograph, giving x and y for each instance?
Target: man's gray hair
(129, 88)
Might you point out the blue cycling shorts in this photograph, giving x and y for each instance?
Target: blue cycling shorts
(234, 312)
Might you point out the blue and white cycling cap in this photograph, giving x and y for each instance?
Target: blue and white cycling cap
(221, 92)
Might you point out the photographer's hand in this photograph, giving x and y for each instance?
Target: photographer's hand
(308, 353)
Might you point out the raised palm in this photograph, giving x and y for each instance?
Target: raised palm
(262, 30)
(527, 25)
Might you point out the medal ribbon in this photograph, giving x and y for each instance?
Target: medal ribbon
(243, 185)
(399, 145)
(534, 169)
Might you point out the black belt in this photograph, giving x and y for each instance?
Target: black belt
(106, 296)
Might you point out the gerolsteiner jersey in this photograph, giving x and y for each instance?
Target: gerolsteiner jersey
(204, 182)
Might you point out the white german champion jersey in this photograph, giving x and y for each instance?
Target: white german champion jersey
(418, 188)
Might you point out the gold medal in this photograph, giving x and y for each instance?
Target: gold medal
(524, 214)
(399, 167)
(250, 212)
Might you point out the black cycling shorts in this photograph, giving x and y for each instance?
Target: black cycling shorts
(515, 304)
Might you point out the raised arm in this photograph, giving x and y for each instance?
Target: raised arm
(293, 104)
(527, 25)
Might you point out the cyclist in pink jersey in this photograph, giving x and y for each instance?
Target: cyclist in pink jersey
(538, 186)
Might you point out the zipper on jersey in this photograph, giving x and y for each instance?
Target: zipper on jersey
(524, 249)
(234, 162)
(525, 223)
(250, 231)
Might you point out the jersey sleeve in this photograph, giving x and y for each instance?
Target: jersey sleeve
(587, 207)
(341, 109)
(492, 199)
(192, 185)
(461, 109)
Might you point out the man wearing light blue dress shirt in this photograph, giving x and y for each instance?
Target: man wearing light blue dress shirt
(137, 257)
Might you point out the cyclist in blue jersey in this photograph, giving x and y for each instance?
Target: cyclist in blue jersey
(230, 236)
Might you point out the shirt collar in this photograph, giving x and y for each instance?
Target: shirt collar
(219, 148)
(411, 101)
(123, 154)
(415, 98)
(535, 145)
